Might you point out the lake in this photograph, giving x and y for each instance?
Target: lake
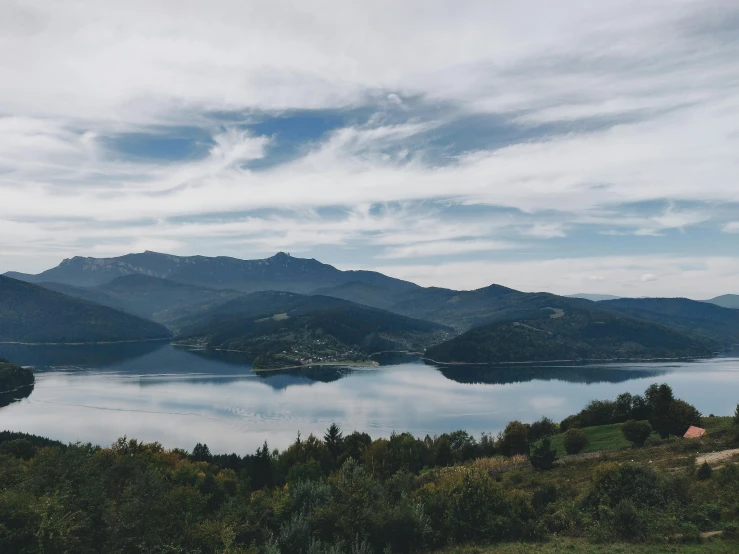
(156, 392)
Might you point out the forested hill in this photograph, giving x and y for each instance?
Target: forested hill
(281, 329)
(33, 314)
(13, 377)
(161, 300)
(571, 333)
(688, 315)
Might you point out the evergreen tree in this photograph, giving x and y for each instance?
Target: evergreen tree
(334, 440)
(201, 453)
(543, 456)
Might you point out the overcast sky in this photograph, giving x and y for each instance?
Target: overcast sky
(561, 146)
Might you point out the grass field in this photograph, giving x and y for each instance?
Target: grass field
(575, 546)
(609, 437)
(603, 437)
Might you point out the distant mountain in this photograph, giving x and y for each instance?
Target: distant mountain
(567, 331)
(593, 297)
(726, 301)
(281, 329)
(33, 314)
(160, 300)
(688, 315)
(280, 272)
(458, 309)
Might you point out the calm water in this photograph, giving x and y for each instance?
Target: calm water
(156, 392)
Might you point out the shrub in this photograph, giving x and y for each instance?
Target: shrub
(636, 432)
(575, 441)
(543, 456)
(545, 427)
(704, 472)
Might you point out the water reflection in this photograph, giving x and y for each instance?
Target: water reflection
(588, 374)
(180, 397)
(88, 355)
(8, 397)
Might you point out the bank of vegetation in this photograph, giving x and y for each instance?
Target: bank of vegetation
(13, 377)
(349, 493)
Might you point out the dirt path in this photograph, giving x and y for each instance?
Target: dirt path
(716, 457)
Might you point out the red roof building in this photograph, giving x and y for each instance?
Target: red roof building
(694, 432)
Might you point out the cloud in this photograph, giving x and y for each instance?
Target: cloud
(732, 227)
(647, 277)
(692, 277)
(445, 248)
(474, 132)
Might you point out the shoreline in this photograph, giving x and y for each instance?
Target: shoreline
(370, 363)
(20, 343)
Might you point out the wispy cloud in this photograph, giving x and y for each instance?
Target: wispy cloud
(463, 132)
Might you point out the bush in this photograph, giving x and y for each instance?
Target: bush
(636, 432)
(543, 456)
(514, 439)
(545, 427)
(575, 441)
(704, 472)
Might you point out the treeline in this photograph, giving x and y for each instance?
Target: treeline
(666, 414)
(343, 493)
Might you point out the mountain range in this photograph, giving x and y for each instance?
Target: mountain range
(283, 308)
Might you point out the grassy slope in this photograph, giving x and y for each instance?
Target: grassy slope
(603, 437)
(609, 437)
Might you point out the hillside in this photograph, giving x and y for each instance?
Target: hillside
(562, 331)
(160, 300)
(33, 314)
(280, 329)
(279, 272)
(726, 301)
(13, 377)
(691, 316)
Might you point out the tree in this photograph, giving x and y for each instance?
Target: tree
(736, 415)
(514, 439)
(680, 416)
(201, 453)
(575, 441)
(543, 455)
(334, 440)
(636, 432)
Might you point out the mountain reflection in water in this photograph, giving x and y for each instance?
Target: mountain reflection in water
(157, 392)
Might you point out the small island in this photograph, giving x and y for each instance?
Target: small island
(13, 377)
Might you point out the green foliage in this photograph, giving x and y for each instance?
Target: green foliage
(281, 329)
(636, 432)
(14, 377)
(543, 455)
(704, 472)
(514, 439)
(544, 427)
(575, 441)
(339, 494)
(568, 330)
(736, 415)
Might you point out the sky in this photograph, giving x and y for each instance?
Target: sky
(547, 146)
